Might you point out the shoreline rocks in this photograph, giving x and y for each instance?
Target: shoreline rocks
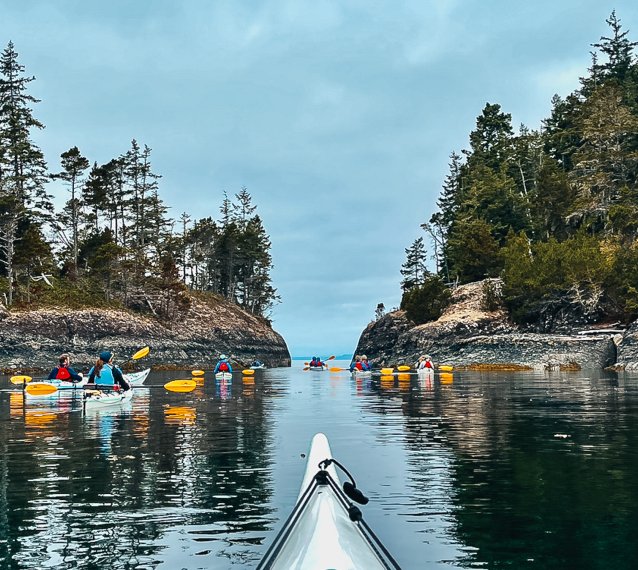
(469, 336)
(34, 339)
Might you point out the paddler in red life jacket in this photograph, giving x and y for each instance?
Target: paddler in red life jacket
(223, 365)
(64, 372)
(356, 363)
(106, 375)
(365, 365)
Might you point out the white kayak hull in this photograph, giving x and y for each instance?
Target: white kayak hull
(260, 367)
(362, 373)
(136, 378)
(319, 533)
(425, 371)
(59, 385)
(95, 399)
(317, 368)
(224, 376)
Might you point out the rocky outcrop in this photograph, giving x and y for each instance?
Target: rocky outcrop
(628, 348)
(34, 339)
(467, 335)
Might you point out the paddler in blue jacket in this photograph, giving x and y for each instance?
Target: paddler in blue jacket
(105, 374)
(63, 371)
(223, 365)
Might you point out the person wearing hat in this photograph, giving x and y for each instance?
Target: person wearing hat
(63, 371)
(105, 374)
(223, 365)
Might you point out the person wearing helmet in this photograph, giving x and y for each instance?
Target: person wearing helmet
(223, 365)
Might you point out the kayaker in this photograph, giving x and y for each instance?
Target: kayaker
(425, 361)
(256, 363)
(356, 363)
(223, 365)
(106, 375)
(64, 372)
(365, 365)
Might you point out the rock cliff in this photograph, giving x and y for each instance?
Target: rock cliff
(467, 335)
(34, 339)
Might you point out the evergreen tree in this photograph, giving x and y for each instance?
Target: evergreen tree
(491, 141)
(24, 202)
(73, 167)
(414, 269)
(618, 51)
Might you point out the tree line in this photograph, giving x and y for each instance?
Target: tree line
(553, 211)
(113, 242)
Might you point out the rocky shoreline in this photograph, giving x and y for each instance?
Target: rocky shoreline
(33, 340)
(468, 336)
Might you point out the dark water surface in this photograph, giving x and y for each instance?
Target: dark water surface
(471, 470)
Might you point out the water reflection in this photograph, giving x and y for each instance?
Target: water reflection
(463, 469)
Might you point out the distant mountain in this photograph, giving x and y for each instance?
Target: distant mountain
(337, 357)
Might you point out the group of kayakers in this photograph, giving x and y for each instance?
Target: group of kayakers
(360, 363)
(316, 362)
(104, 374)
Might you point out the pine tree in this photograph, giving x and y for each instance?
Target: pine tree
(414, 269)
(74, 165)
(24, 202)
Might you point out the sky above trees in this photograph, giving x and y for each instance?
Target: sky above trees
(338, 118)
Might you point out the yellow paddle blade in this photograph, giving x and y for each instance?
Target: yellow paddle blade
(336, 369)
(386, 371)
(20, 379)
(197, 372)
(141, 353)
(40, 389)
(446, 367)
(247, 372)
(403, 368)
(180, 385)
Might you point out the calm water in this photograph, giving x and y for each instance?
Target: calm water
(471, 470)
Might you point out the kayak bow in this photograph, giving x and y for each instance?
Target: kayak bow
(325, 529)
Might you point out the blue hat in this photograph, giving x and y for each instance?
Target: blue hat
(105, 355)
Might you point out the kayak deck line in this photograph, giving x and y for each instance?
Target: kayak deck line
(325, 529)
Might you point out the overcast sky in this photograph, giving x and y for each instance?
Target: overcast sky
(339, 117)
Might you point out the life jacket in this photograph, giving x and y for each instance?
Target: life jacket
(358, 366)
(62, 373)
(223, 367)
(106, 377)
(428, 364)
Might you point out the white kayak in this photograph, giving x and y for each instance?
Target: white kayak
(317, 368)
(424, 371)
(362, 373)
(94, 399)
(224, 376)
(260, 367)
(325, 529)
(136, 378)
(62, 384)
